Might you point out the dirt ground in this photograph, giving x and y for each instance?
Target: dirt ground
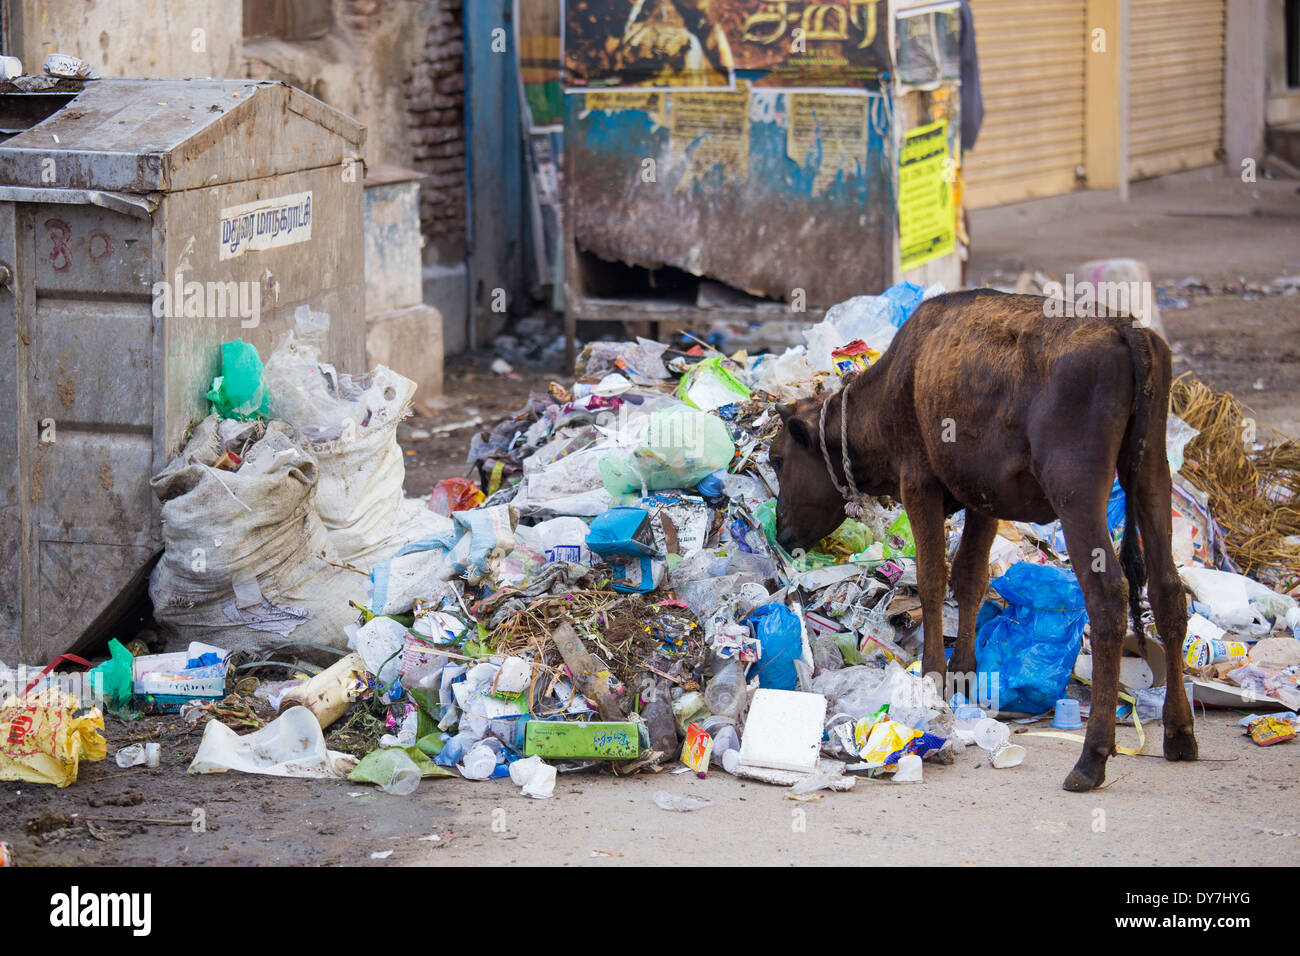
(1231, 808)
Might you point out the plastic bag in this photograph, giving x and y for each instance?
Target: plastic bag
(491, 536)
(240, 390)
(244, 561)
(117, 675)
(787, 377)
(779, 634)
(1029, 648)
(622, 536)
(455, 494)
(560, 539)
(41, 741)
(421, 569)
(681, 446)
(292, 745)
(865, 317)
(707, 385)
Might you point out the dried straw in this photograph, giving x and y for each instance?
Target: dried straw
(1254, 494)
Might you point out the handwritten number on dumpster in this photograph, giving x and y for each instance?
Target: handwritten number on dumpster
(60, 256)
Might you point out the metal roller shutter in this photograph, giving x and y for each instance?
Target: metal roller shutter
(1031, 69)
(1175, 66)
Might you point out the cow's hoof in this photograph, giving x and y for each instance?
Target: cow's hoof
(1082, 779)
(1180, 744)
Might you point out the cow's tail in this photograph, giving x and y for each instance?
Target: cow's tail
(1139, 344)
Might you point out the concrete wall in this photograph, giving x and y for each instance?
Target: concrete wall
(1245, 78)
(131, 37)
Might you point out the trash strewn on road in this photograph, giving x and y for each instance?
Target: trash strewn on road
(608, 592)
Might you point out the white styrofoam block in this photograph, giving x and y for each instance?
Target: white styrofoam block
(783, 730)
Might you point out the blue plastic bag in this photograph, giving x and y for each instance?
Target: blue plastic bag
(780, 638)
(622, 536)
(904, 297)
(1030, 648)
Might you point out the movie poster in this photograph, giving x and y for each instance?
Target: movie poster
(703, 43)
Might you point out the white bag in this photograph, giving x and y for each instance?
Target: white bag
(243, 565)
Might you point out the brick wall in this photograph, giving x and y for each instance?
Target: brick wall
(435, 105)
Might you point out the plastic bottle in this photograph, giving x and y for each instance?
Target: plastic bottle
(658, 716)
(726, 694)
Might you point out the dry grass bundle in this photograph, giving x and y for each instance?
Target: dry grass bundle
(622, 631)
(1254, 495)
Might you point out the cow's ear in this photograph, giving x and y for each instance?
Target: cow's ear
(800, 431)
(785, 411)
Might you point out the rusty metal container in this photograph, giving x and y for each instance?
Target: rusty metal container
(142, 224)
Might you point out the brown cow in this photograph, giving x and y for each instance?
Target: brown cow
(984, 402)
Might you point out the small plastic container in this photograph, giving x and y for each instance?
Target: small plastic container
(1067, 716)
(403, 776)
(991, 734)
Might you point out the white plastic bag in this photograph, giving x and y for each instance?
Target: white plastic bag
(292, 745)
(243, 564)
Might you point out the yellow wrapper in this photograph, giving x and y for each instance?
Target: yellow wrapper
(42, 742)
(879, 743)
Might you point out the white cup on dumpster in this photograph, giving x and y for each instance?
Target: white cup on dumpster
(10, 67)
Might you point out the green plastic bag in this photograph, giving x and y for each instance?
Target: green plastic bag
(117, 674)
(682, 446)
(850, 538)
(707, 385)
(898, 541)
(375, 767)
(239, 392)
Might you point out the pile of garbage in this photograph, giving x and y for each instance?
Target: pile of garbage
(610, 592)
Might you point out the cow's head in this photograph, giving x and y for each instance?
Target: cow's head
(808, 507)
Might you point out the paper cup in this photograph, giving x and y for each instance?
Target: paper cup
(1008, 755)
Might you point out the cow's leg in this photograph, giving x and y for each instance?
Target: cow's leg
(1168, 600)
(970, 582)
(923, 500)
(1105, 594)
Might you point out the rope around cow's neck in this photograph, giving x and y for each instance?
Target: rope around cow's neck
(854, 502)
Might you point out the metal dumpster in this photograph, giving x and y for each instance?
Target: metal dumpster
(143, 223)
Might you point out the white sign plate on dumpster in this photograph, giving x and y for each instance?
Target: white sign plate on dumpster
(265, 224)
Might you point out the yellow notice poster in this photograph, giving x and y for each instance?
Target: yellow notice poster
(610, 101)
(830, 130)
(925, 211)
(709, 129)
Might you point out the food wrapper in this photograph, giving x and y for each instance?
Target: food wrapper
(1267, 731)
(42, 741)
(696, 749)
(882, 744)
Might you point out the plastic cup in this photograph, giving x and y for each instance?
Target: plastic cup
(991, 734)
(152, 754)
(1008, 755)
(404, 776)
(909, 769)
(1067, 715)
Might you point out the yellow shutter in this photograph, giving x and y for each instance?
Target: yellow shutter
(1175, 85)
(1031, 69)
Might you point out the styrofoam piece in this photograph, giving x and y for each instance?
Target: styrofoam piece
(783, 730)
(833, 770)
